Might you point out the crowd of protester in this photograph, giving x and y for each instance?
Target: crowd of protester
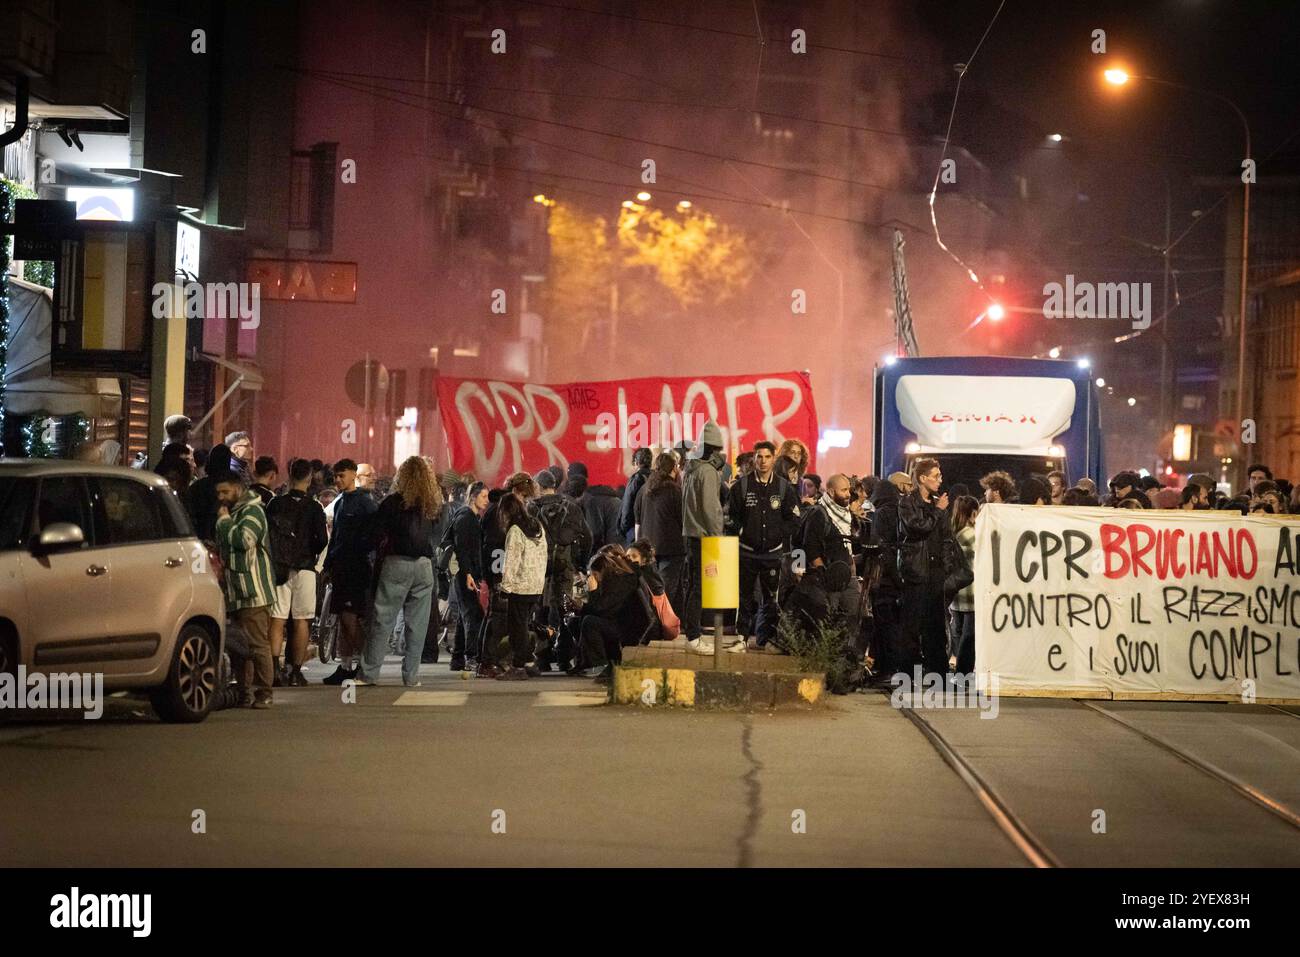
(550, 573)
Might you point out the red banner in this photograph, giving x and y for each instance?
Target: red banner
(494, 428)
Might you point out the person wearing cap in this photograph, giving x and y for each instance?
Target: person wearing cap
(701, 518)
(177, 429)
(600, 504)
(1127, 485)
(901, 481)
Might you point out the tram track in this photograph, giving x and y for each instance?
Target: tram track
(1034, 849)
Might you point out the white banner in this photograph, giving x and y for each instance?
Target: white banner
(1107, 602)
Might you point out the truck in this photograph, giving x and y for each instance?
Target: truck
(979, 414)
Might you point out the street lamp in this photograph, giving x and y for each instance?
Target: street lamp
(1118, 77)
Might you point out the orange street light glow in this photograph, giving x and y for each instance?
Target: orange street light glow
(995, 311)
(1116, 77)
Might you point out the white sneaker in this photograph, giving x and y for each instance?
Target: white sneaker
(738, 648)
(700, 646)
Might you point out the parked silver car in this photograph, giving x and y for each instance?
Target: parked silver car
(100, 571)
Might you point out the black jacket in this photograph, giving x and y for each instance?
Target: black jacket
(926, 542)
(302, 517)
(600, 504)
(659, 513)
(821, 539)
(627, 512)
(884, 532)
(467, 536)
(565, 525)
(407, 532)
(492, 545)
(618, 599)
(766, 516)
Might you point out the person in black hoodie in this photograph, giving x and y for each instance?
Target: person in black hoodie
(613, 614)
(627, 513)
(203, 493)
(402, 528)
(926, 549)
(659, 515)
(600, 504)
(889, 653)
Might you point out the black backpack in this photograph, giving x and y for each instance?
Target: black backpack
(446, 548)
(558, 518)
(282, 535)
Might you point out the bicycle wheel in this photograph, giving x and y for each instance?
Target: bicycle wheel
(327, 629)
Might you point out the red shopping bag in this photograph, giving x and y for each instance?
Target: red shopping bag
(669, 623)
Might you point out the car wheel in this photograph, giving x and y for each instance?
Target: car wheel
(192, 682)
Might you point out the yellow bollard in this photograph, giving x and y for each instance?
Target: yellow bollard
(719, 582)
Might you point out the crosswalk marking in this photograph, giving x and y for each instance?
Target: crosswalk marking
(569, 699)
(434, 699)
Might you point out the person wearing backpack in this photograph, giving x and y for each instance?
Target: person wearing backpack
(298, 537)
(764, 511)
(569, 543)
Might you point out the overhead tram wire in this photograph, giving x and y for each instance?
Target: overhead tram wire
(715, 30)
(787, 170)
(918, 138)
(700, 190)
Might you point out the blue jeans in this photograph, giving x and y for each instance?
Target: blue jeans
(405, 585)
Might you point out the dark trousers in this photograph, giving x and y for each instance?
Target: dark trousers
(692, 611)
(467, 642)
(602, 641)
(758, 617)
(519, 611)
(963, 639)
(925, 625)
(673, 570)
(496, 628)
(887, 639)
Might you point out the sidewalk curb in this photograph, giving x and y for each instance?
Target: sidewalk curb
(715, 690)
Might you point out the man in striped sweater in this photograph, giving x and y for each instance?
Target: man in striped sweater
(245, 545)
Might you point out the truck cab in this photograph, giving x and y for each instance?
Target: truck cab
(980, 414)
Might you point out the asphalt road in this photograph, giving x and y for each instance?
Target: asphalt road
(465, 772)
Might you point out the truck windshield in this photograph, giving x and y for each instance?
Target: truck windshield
(967, 469)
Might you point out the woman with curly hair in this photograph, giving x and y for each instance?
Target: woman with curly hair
(403, 529)
(792, 461)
